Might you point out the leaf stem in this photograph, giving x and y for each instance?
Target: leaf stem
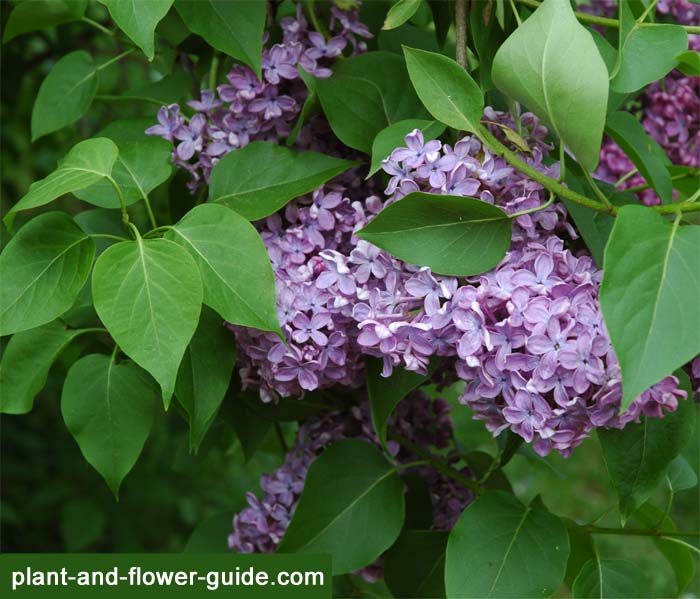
(122, 201)
(156, 230)
(642, 187)
(117, 58)
(606, 22)
(649, 8)
(596, 190)
(639, 532)
(626, 176)
(437, 463)
(214, 70)
(149, 211)
(515, 12)
(411, 464)
(514, 160)
(549, 202)
(554, 186)
(97, 25)
(461, 33)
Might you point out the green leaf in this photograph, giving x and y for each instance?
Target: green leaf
(442, 17)
(42, 269)
(646, 54)
(387, 71)
(610, 579)
(500, 548)
(85, 164)
(307, 109)
(681, 475)
(26, 362)
(679, 557)
(251, 427)
(638, 455)
(628, 133)
(400, 12)
(207, 537)
(40, 14)
(582, 550)
(354, 110)
(415, 565)
(394, 136)
(552, 65)
(365, 501)
(109, 410)
(650, 289)
(594, 226)
(446, 89)
(148, 293)
(452, 235)
(386, 392)
(205, 373)
(82, 524)
(689, 63)
(138, 20)
(262, 177)
(65, 95)
(143, 163)
(235, 28)
(234, 265)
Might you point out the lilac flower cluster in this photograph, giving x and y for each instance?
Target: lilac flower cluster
(259, 527)
(247, 108)
(527, 336)
(670, 109)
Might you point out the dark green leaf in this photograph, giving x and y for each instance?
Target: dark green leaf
(234, 265)
(144, 162)
(85, 164)
(500, 548)
(610, 579)
(365, 501)
(442, 17)
(148, 293)
(646, 53)
(638, 455)
(354, 110)
(42, 269)
(650, 288)
(445, 89)
(205, 373)
(394, 136)
(400, 12)
(386, 393)
(307, 109)
(26, 362)
(40, 14)
(251, 427)
(65, 95)
(552, 65)
(261, 178)
(235, 28)
(582, 550)
(109, 409)
(679, 557)
(207, 537)
(138, 20)
(452, 235)
(388, 73)
(415, 565)
(645, 153)
(82, 523)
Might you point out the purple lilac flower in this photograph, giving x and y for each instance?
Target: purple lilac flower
(260, 527)
(247, 108)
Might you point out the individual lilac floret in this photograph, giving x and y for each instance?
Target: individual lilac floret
(246, 108)
(260, 527)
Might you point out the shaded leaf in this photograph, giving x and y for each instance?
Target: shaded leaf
(415, 564)
(109, 410)
(610, 578)
(40, 14)
(138, 20)
(42, 269)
